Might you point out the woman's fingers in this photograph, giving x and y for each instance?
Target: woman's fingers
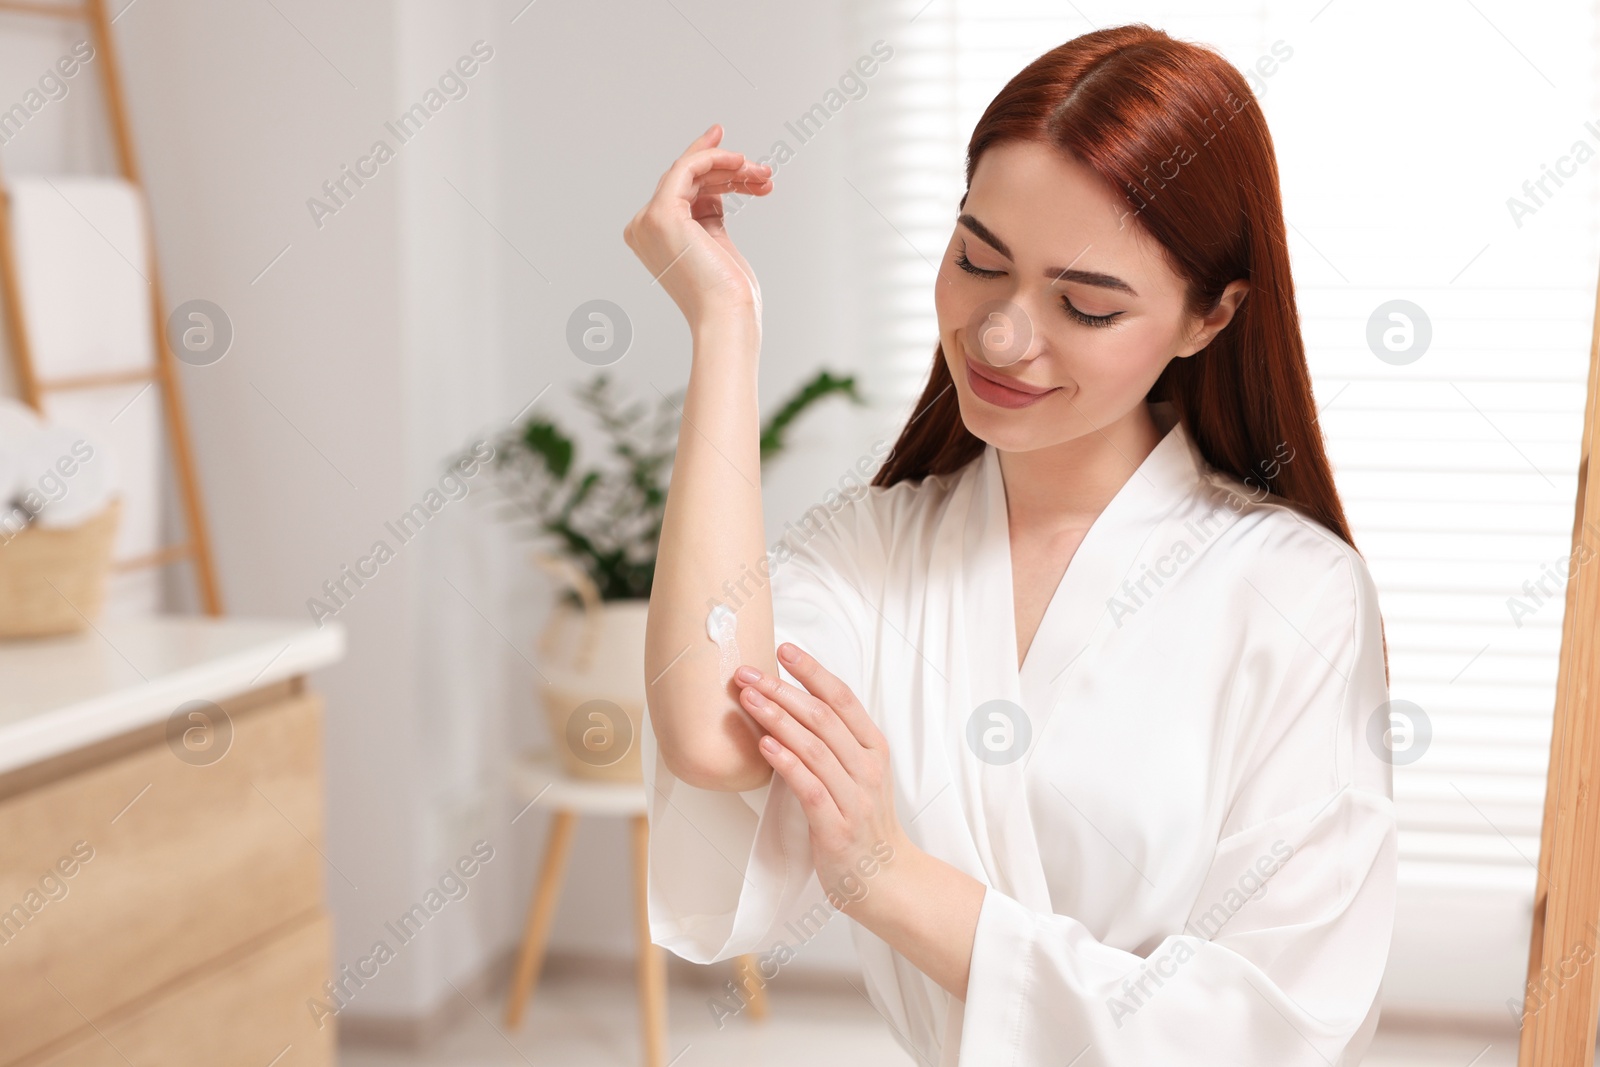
(707, 208)
(689, 166)
(814, 797)
(698, 195)
(817, 718)
(686, 176)
(828, 689)
(781, 711)
(733, 180)
(695, 186)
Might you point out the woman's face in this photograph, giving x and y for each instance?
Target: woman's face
(1049, 284)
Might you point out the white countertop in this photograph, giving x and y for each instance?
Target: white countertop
(61, 693)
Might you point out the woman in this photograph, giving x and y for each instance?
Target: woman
(1084, 726)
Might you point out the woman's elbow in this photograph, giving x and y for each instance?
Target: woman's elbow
(722, 768)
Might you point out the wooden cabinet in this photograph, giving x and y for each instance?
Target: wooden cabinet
(165, 913)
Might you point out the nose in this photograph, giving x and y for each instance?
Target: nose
(1002, 332)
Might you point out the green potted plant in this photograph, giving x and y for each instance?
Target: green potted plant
(597, 530)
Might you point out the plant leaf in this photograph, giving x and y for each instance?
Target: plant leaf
(550, 444)
(822, 385)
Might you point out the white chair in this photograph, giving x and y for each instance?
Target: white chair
(538, 776)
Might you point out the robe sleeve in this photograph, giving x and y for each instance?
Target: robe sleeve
(1281, 959)
(731, 873)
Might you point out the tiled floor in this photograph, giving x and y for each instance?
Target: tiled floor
(593, 1023)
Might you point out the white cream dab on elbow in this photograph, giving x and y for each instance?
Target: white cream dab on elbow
(721, 627)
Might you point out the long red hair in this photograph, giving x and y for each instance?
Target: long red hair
(1175, 129)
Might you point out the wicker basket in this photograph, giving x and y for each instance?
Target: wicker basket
(54, 581)
(591, 663)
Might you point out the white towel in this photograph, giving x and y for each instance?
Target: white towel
(82, 249)
(81, 263)
(58, 476)
(67, 477)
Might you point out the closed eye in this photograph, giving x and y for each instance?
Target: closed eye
(1078, 316)
(967, 265)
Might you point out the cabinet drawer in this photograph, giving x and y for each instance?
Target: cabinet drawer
(188, 864)
(247, 1013)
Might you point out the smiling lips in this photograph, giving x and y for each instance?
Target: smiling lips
(1004, 395)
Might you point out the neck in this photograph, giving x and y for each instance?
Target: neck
(1066, 486)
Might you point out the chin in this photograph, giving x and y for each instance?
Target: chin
(1009, 431)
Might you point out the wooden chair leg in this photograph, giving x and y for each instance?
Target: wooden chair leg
(652, 959)
(747, 977)
(541, 912)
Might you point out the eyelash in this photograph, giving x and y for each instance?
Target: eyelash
(1088, 320)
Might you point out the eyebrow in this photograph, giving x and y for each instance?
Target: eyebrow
(1083, 277)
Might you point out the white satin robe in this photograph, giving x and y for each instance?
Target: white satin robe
(1194, 862)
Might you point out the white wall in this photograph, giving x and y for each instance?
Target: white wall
(415, 318)
(307, 431)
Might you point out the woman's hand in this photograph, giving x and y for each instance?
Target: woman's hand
(836, 762)
(680, 238)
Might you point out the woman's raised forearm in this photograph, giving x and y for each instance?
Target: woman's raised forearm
(712, 539)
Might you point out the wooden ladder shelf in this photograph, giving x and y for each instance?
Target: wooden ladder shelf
(196, 548)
